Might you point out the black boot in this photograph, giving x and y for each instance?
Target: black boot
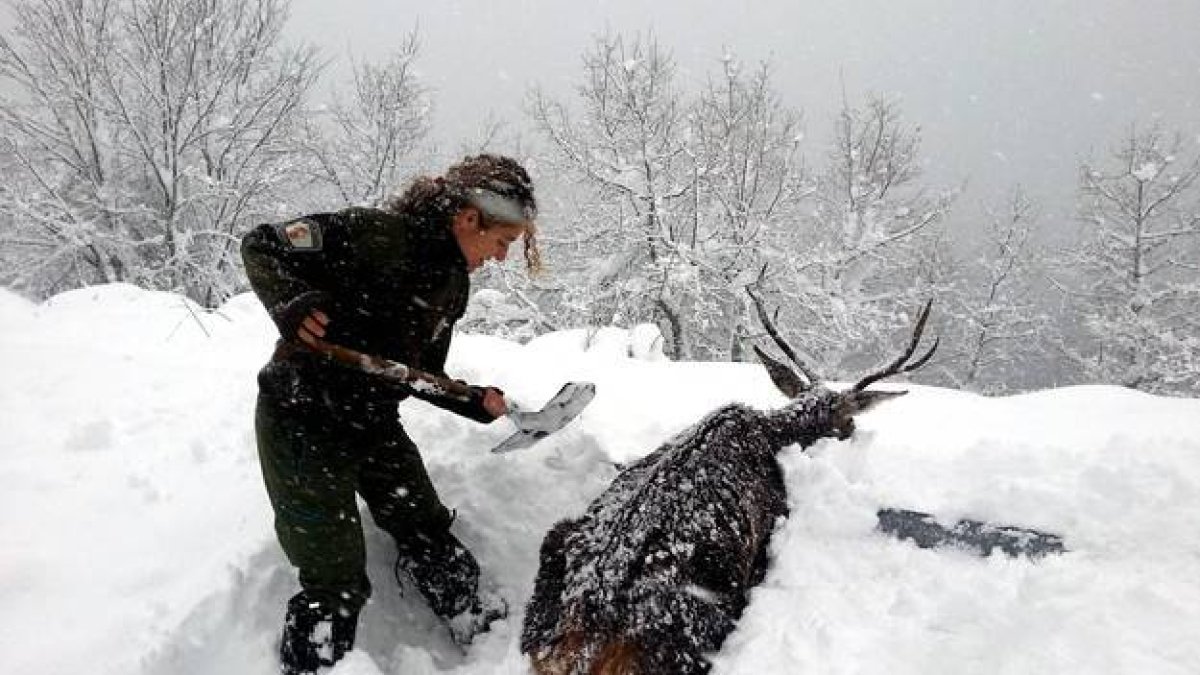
(314, 636)
(442, 569)
(485, 608)
(448, 576)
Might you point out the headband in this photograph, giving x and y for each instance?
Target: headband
(498, 206)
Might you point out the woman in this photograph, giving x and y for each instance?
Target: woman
(389, 282)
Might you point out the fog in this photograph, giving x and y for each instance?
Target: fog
(1008, 92)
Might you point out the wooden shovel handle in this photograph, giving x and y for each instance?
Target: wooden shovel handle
(425, 383)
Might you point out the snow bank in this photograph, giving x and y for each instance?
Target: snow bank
(138, 538)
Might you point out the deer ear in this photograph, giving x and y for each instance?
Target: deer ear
(784, 378)
(865, 400)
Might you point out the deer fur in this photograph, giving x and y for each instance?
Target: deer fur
(656, 572)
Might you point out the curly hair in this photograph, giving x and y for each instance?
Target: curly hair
(463, 184)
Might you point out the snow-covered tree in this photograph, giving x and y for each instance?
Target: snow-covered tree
(866, 254)
(993, 327)
(749, 180)
(61, 202)
(674, 191)
(364, 145)
(625, 147)
(1138, 289)
(144, 136)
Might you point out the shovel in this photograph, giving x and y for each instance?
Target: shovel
(532, 425)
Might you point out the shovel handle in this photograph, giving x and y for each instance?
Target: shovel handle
(394, 371)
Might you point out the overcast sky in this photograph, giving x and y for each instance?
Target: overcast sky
(1005, 91)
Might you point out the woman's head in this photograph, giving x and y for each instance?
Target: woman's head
(488, 201)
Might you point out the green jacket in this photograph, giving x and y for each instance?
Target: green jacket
(393, 285)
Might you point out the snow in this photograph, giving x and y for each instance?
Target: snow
(138, 540)
(1146, 172)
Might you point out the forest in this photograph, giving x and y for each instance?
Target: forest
(139, 139)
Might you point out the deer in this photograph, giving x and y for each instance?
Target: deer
(657, 571)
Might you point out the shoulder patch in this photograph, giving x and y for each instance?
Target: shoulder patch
(302, 234)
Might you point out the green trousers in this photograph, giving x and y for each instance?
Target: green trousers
(315, 459)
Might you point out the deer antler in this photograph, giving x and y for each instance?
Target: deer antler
(769, 325)
(899, 365)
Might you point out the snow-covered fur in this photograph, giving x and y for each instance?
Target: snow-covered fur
(656, 572)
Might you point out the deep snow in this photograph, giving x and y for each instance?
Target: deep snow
(137, 537)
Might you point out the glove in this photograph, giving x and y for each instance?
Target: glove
(471, 409)
(289, 315)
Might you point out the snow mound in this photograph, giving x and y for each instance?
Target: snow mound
(133, 490)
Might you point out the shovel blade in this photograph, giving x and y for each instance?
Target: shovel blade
(557, 413)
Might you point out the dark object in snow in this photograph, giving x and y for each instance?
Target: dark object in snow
(656, 572)
(974, 536)
(314, 637)
(442, 569)
(447, 575)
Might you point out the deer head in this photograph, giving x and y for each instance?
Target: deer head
(795, 384)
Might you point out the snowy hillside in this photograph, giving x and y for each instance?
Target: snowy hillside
(137, 537)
